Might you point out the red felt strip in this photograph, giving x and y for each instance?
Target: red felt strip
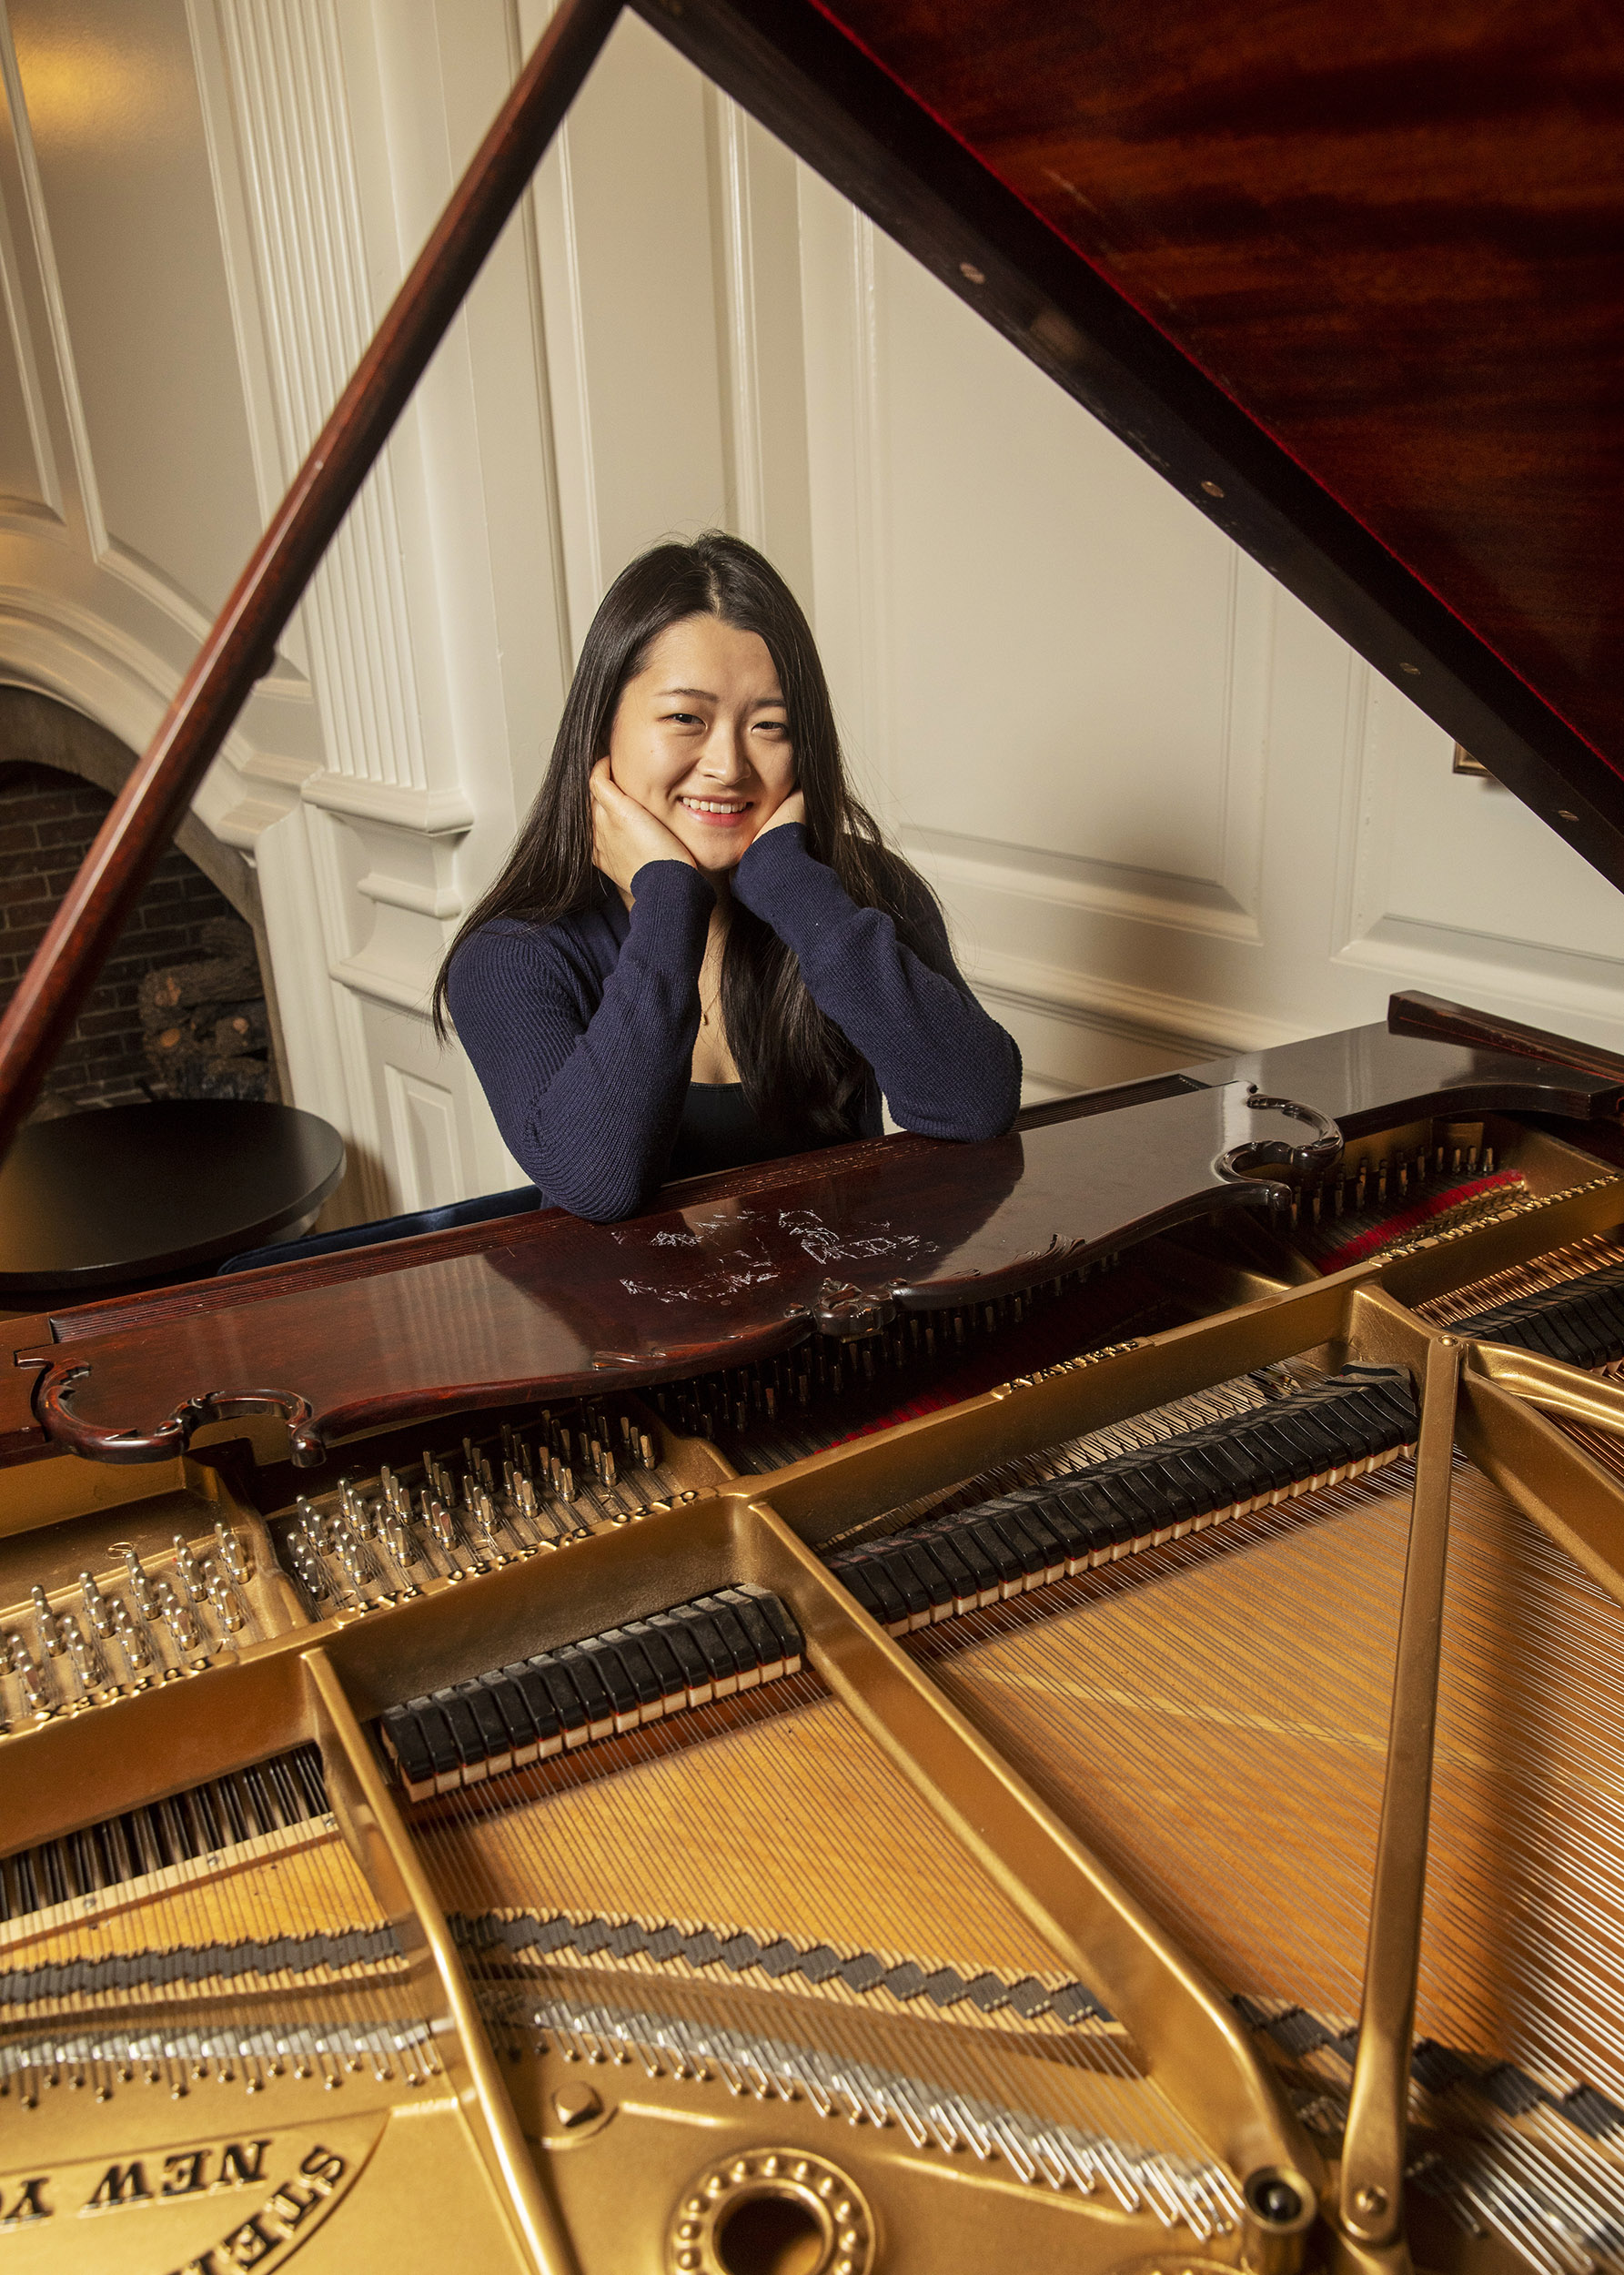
(1410, 1219)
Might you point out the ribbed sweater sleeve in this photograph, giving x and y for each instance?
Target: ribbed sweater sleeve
(588, 1099)
(944, 1066)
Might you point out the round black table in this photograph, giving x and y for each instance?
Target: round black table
(129, 1196)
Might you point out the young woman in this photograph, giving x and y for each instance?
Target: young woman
(699, 953)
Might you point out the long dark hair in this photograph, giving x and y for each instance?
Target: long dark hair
(797, 1068)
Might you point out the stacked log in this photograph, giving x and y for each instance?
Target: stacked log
(205, 1028)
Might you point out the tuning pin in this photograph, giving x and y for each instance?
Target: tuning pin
(306, 1566)
(177, 1617)
(230, 1552)
(485, 1518)
(131, 1641)
(45, 1622)
(189, 1573)
(97, 1607)
(31, 1680)
(140, 1585)
(403, 1548)
(227, 1609)
(86, 1662)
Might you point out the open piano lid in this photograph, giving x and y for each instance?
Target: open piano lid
(1373, 436)
(1350, 279)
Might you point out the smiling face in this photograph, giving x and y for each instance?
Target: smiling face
(701, 739)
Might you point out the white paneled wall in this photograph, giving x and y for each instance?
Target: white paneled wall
(1168, 812)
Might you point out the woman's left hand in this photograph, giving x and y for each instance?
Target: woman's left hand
(794, 809)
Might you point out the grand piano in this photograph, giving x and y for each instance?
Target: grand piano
(1056, 1702)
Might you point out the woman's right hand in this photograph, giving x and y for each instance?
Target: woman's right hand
(626, 836)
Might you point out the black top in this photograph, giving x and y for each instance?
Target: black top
(718, 1131)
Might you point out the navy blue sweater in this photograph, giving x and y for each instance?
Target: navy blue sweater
(582, 1031)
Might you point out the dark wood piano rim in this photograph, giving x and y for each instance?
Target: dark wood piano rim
(1600, 1077)
(400, 1255)
(1010, 1214)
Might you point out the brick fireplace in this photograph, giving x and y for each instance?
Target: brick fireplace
(179, 1009)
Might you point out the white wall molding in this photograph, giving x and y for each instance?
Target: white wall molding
(869, 563)
(286, 68)
(24, 185)
(558, 251)
(19, 329)
(1248, 651)
(408, 990)
(1173, 1024)
(242, 822)
(423, 1120)
(269, 766)
(1074, 881)
(442, 902)
(430, 813)
(266, 442)
(1225, 904)
(1581, 994)
(340, 929)
(729, 131)
(1351, 818)
(409, 870)
(53, 642)
(159, 591)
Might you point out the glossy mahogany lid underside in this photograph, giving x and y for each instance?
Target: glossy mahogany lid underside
(1391, 235)
(747, 1265)
(1346, 278)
